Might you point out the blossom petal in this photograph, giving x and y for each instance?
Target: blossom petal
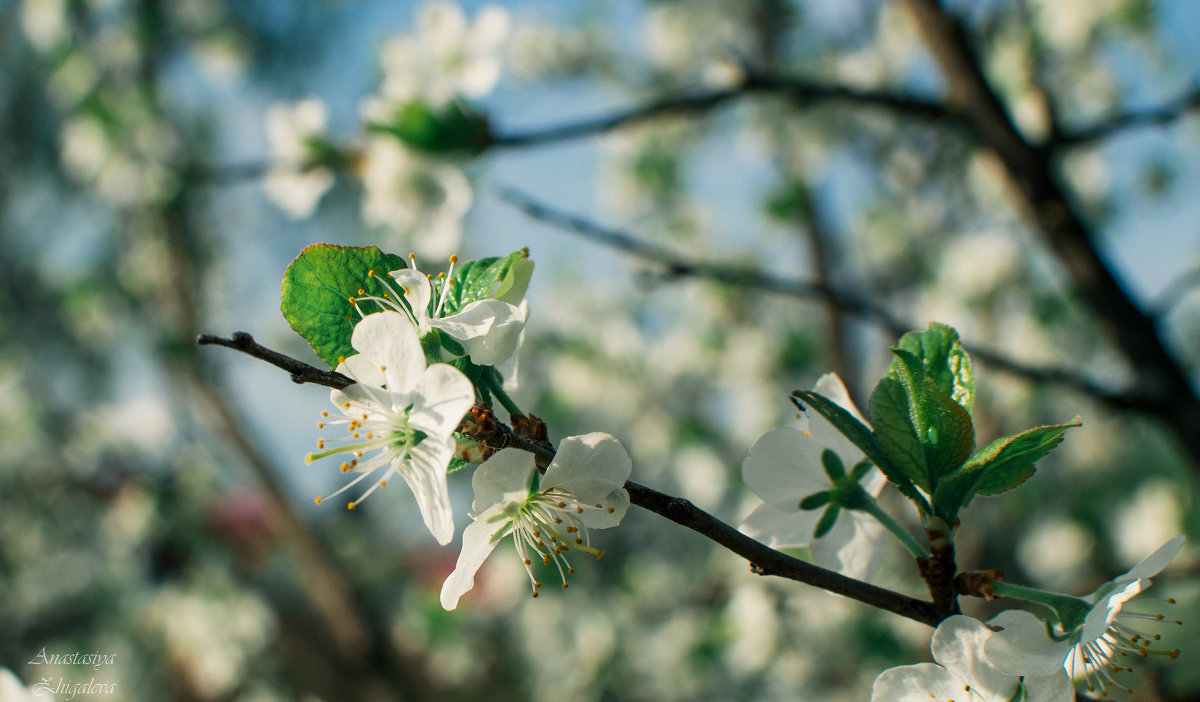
(501, 479)
(425, 473)
(854, 547)
(415, 287)
(589, 467)
(779, 528)
(958, 644)
(610, 510)
(824, 433)
(1023, 647)
(784, 467)
(1056, 687)
(1153, 564)
(443, 395)
(389, 339)
(488, 329)
(478, 544)
(923, 682)
(363, 369)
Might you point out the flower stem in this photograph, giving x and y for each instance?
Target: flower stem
(914, 547)
(496, 385)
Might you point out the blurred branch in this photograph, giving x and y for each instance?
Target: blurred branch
(800, 92)
(1164, 388)
(677, 266)
(764, 560)
(1037, 69)
(301, 372)
(1166, 113)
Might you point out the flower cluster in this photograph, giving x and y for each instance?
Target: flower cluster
(400, 417)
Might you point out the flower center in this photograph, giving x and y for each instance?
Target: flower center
(548, 525)
(1100, 657)
(398, 300)
(391, 433)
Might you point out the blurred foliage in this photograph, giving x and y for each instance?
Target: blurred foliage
(153, 500)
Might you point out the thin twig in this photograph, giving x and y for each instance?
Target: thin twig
(1169, 112)
(763, 559)
(798, 91)
(301, 372)
(678, 266)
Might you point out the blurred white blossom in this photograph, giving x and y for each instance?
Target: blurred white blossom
(422, 199)
(295, 182)
(446, 56)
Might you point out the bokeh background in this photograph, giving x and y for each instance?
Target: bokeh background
(154, 502)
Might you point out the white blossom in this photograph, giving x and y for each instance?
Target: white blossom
(294, 182)
(963, 673)
(1098, 635)
(583, 489)
(784, 467)
(402, 411)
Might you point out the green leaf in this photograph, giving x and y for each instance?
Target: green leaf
(920, 427)
(455, 128)
(1000, 466)
(317, 288)
(487, 278)
(860, 435)
(456, 463)
(945, 361)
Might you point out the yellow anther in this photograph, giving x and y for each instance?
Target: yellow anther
(350, 506)
(411, 255)
(562, 504)
(371, 273)
(341, 360)
(382, 483)
(598, 505)
(345, 466)
(453, 258)
(317, 500)
(383, 368)
(452, 282)
(347, 317)
(358, 454)
(528, 562)
(346, 405)
(612, 509)
(570, 571)
(579, 540)
(537, 586)
(441, 275)
(352, 299)
(320, 443)
(320, 425)
(533, 594)
(353, 463)
(579, 510)
(324, 413)
(564, 586)
(362, 292)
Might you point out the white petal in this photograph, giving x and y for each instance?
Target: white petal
(389, 339)
(477, 546)
(488, 329)
(1056, 687)
(958, 645)
(425, 473)
(1106, 608)
(415, 287)
(784, 467)
(923, 682)
(1024, 647)
(1154, 563)
(854, 547)
(589, 467)
(824, 433)
(781, 528)
(443, 396)
(499, 478)
(602, 518)
(491, 26)
(363, 369)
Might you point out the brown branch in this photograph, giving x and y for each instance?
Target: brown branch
(301, 372)
(1171, 111)
(677, 267)
(798, 91)
(763, 559)
(1165, 389)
